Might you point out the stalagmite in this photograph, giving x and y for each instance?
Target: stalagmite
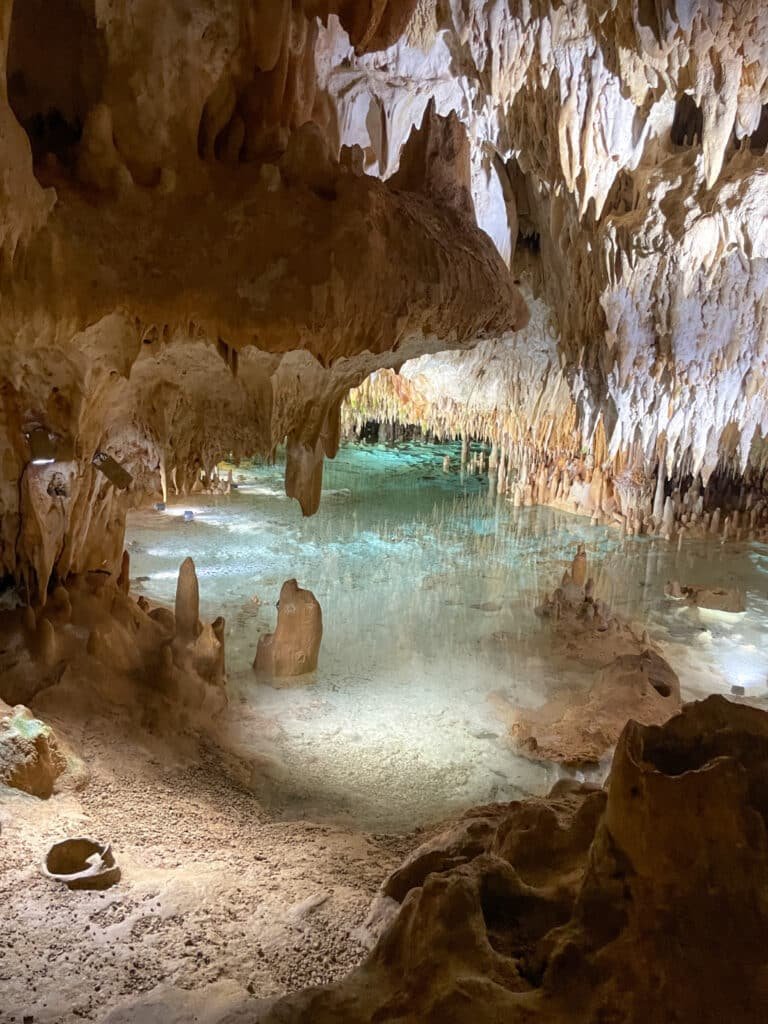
(293, 648)
(187, 607)
(579, 567)
(124, 579)
(45, 648)
(659, 500)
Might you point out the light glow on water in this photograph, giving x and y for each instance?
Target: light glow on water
(428, 590)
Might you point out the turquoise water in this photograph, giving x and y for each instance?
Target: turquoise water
(428, 587)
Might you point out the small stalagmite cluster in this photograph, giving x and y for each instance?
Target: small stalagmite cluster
(93, 643)
(629, 679)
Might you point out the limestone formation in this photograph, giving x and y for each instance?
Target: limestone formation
(629, 679)
(582, 730)
(293, 648)
(30, 757)
(368, 182)
(713, 598)
(579, 567)
(123, 652)
(587, 905)
(187, 609)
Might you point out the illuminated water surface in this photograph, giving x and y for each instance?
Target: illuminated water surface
(428, 589)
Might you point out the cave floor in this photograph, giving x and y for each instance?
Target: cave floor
(214, 892)
(262, 885)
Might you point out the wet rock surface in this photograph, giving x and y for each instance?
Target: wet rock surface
(292, 650)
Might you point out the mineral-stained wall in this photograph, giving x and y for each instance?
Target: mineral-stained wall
(191, 267)
(217, 216)
(619, 162)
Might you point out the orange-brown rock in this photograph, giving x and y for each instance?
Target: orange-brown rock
(582, 728)
(636, 904)
(30, 756)
(293, 648)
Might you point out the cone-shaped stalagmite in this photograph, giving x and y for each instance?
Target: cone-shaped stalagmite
(187, 602)
(579, 567)
(45, 646)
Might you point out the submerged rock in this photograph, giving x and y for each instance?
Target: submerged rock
(581, 729)
(718, 599)
(632, 680)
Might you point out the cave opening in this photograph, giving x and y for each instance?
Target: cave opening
(688, 122)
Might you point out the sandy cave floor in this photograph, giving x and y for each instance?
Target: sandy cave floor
(212, 888)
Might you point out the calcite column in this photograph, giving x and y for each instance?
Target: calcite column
(187, 602)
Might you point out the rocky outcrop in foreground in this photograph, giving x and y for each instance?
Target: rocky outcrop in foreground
(643, 902)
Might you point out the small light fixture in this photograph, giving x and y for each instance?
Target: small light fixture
(42, 446)
(112, 470)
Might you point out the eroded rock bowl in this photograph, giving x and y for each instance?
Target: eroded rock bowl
(82, 864)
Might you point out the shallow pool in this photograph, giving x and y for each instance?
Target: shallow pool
(428, 587)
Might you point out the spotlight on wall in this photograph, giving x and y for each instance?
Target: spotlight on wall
(42, 446)
(112, 470)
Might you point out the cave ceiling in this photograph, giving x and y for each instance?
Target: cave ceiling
(218, 216)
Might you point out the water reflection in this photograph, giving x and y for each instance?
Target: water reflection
(428, 587)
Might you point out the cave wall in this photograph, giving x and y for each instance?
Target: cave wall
(191, 266)
(218, 217)
(622, 143)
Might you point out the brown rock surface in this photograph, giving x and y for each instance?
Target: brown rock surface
(627, 906)
(719, 599)
(30, 757)
(627, 678)
(582, 729)
(293, 648)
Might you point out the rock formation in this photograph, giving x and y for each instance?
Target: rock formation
(357, 176)
(98, 644)
(588, 905)
(293, 648)
(30, 756)
(629, 679)
(580, 730)
(144, 145)
(82, 864)
(717, 599)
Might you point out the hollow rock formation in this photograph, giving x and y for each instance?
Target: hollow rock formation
(588, 905)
